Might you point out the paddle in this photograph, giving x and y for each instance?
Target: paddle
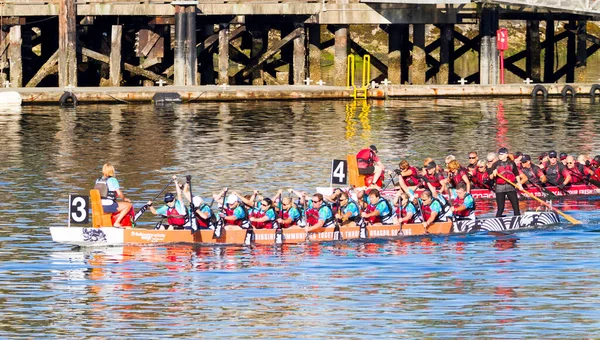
(561, 190)
(337, 234)
(192, 211)
(219, 228)
(548, 193)
(389, 182)
(145, 207)
(567, 217)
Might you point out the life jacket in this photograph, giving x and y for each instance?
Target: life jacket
(102, 186)
(481, 180)
(208, 222)
(457, 178)
(357, 217)
(435, 179)
(506, 170)
(383, 219)
(413, 179)
(263, 225)
(426, 211)
(532, 173)
(365, 158)
(174, 217)
(458, 202)
(401, 212)
(314, 216)
(577, 174)
(554, 174)
(243, 222)
(285, 214)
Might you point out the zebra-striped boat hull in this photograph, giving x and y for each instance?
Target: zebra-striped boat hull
(527, 220)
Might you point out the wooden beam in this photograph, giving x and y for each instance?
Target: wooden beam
(210, 41)
(152, 40)
(15, 56)
(246, 71)
(223, 54)
(128, 67)
(49, 67)
(374, 61)
(115, 55)
(67, 40)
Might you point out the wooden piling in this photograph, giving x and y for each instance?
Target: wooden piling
(3, 56)
(258, 48)
(533, 51)
(224, 54)
(179, 54)
(418, 71)
(405, 47)
(115, 55)
(340, 59)
(206, 56)
(571, 53)
(494, 54)
(14, 56)
(549, 53)
(67, 42)
(394, 53)
(299, 59)
(580, 71)
(446, 54)
(191, 65)
(314, 52)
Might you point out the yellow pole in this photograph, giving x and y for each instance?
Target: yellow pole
(350, 73)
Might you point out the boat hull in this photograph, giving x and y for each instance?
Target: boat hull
(105, 236)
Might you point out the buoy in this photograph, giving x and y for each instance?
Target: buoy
(166, 98)
(10, 98)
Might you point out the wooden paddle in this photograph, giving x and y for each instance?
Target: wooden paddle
(567, 217)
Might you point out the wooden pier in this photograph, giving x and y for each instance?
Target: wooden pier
(55, 44)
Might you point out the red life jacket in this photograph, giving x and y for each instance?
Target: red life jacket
(379, 218)
(284, 215)
(312, 216)
(413, 179)
(401, 212)
(463, 213)
(426, 210)
(238, 222)
(263, 225)
(435, 179)
(457, 178)
(481, 180)
(577, 174)
(204, 222)
(174, 217)
(365, 158)
(506, 170)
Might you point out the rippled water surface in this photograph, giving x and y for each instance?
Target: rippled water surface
(542, 284)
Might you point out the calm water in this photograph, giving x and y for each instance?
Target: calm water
(532, 284)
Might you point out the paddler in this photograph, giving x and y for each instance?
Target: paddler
(463, 206)
(110, 190)
(431, 209)
(349, 210)
(533, 173)
(289, 214)
(369, 164)
(556, 172)
(481, 177)
(410, 174)
(457, 174)
(579, 173)
(473, 159)
(433, 176)
(174, 209)
(266, 217)
(406, 211)
(509, 170)
(379, 209)
(325, 214)
(234, 214)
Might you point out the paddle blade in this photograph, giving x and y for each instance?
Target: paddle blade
(140, 212)
(279, 236)
(219, 229)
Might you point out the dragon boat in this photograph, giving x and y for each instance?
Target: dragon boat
(102, 233)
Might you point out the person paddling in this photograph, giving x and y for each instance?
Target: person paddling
(325, 214)
(349, 210)
(579, 173)
(504, 190)
(369, 164)
(110, 191)
(535, 175)
(174, 209)
(379, 209)
(464, 205)
(556, 172)
(289, 214)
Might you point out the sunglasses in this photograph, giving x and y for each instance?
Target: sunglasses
(552, 157)
(316, 201)
(570, 162)
(472, 157)
(481, 167)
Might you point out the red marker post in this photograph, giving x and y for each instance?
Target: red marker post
(502, 43)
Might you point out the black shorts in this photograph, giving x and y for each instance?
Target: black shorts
(367, 171)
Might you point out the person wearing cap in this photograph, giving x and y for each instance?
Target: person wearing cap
(434, 176)
(563, 158)
(173, 209)
(533, 173)
(369, 164)
(556, 172)
(543, 160)
(509, 170)
(580, 174)
(204, 215)
(235, 214)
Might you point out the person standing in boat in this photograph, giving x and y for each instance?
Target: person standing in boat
(556, 172)
(174, 209)
(463, 206)
(369, 164)
(509, 170)
(110, 191)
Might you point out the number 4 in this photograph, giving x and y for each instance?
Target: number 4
(339, 172)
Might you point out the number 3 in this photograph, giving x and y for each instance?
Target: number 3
(80, 213)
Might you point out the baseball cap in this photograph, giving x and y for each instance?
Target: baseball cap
(431, 165)
(373, 147)
(169, 197)
(231, 199)
(563, 155)
(552, 154)
(525, 158)
(542, 155)
(197, 200)
(502, 151)
(518, 154)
